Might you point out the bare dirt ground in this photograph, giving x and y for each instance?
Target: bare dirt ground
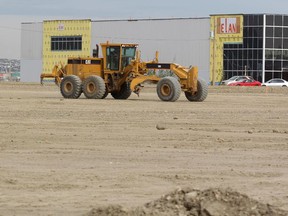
(65, 157)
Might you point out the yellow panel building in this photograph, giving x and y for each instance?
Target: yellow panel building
(63, 39)
(224, 29)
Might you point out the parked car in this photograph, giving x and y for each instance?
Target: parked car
(246, 82)
(235, 79)
(276, 82)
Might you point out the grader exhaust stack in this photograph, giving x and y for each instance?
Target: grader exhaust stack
(121, 72)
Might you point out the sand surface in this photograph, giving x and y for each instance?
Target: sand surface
(65, 157)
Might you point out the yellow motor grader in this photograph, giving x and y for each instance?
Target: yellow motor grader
(120, 71)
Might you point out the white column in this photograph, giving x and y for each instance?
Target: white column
(264, 48)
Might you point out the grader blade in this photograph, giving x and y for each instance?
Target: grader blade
(135, 84)
(57, 73)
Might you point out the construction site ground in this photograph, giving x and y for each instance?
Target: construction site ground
(65, 157)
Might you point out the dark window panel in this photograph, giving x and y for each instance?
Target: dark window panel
(245, 42)
(225, 64)
(269, 32)
(245, 32)
(260, 54)
(285, 43)
(250, 43)
(241, 65)
(285, 64)
(246, 20)
(255, 53)
(260, 20)
(245, 63)
(255, 43)
(255, 65)
(260, 42)
(269, 54)
(56, 46)
(278, 65)
(285, 75)
(249, 66)
(235, 65)
(270, 20)
(278, 43)
(250, 32)
(65, 45)
(285, 55)
(278, 32)
(268, 65)
(269, 42)
(256, 20)
(259, 65)
(285, 32)
(268, 76)
(229, 65)
(240, 62)
(245, 55)
(250, 54)
(285, 21)
(277, 75)
(278, 20)
(251, 20)
(240, 55)
(258, 32)
(277, 54)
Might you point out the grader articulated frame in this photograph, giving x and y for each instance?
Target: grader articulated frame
(120, 72)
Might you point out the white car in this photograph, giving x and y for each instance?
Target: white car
(276, 82)
(235, 79)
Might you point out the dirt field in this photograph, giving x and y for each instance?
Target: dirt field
(65, 157)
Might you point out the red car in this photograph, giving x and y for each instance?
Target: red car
(246, 82)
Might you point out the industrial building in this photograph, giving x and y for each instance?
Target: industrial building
(220, 45)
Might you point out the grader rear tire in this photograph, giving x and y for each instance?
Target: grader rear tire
(124, 92)
(70, 87)
(201, 94)
(168, 89)
(94, 87)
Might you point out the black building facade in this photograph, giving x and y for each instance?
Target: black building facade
(264, 51)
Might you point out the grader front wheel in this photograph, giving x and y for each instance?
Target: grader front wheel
(70, 87)
(168, 89)
(124, 92)
(94, 87)
(201, 94)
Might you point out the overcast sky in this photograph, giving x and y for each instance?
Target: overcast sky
(13, 12)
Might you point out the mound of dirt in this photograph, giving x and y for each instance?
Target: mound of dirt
(191, 202)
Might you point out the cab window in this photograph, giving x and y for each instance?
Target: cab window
(113, 58)
(128, 53)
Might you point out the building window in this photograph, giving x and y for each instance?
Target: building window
(66, 43)
(269, 20)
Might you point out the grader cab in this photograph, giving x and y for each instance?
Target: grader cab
(121, 72)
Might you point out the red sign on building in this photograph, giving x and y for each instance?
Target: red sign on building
(228, 25)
